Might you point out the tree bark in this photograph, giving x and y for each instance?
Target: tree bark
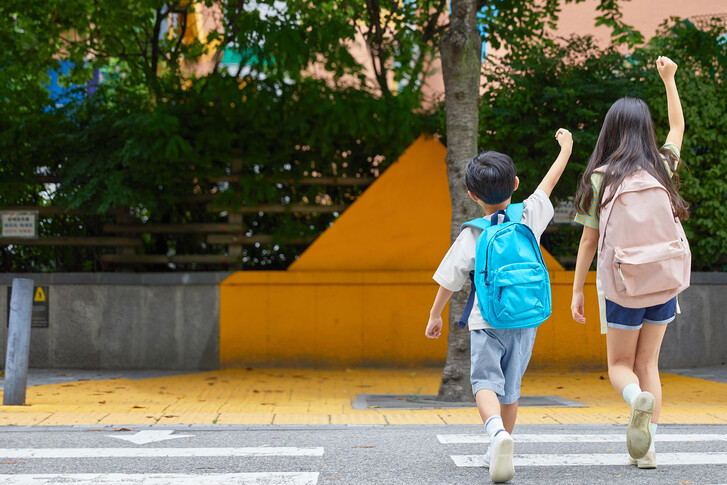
(460, 49)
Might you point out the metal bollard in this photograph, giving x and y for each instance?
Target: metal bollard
(18, 350)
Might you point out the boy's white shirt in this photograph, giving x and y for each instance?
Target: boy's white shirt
(453, 272)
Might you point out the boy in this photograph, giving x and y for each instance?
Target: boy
(498, 357)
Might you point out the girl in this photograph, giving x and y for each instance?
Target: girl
(626, 144)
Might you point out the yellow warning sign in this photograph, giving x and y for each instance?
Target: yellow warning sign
(39, 294)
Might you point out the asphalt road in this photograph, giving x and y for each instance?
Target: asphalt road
(306, 455)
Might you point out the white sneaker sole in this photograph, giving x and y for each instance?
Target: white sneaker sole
(638, 435)
(501, 468)
(647, 462)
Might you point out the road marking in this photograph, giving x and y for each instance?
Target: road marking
(145, 437)
(596, 459)
(576, 438)
(155, 452)
(165, 479)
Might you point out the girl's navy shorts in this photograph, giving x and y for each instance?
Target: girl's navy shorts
(618, 316)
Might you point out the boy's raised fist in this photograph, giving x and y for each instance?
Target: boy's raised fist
(564, 138)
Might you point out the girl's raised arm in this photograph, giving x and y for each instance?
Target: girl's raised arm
(667, 68)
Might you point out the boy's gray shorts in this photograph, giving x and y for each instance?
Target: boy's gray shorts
(499, 359)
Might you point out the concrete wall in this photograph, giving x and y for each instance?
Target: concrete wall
(698, 337)
(124, 321)
(172, 321)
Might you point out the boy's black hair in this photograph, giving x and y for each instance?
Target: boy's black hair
(491, 177)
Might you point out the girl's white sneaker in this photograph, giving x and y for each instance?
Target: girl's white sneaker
(638, 435)
(648, 461)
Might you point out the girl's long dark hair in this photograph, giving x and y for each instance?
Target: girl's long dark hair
(627, 143)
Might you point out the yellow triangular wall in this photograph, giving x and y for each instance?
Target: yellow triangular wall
(400, 223)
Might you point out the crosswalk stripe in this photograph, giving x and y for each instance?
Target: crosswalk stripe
(283, 478)
(596, 459)
(577, 438)
(155, 452)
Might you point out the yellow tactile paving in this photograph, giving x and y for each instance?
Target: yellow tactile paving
(279, 396)
(245, 418)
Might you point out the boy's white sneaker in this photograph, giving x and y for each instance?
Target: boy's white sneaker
(500, 458)
(638, 435)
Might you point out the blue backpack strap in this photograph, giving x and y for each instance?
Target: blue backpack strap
(515, 212)
(480, 222)
(483, 224)
(470, 303)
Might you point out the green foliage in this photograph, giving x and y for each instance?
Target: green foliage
(702, 59)
(162, 143)
(571, 83)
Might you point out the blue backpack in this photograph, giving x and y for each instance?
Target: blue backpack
(510, 277)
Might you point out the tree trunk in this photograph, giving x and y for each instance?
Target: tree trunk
(460, 49)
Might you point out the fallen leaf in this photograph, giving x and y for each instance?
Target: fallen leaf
(124, 429)
(102, 402)
(138, 407)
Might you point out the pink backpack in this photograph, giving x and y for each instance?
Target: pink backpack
(643, 255)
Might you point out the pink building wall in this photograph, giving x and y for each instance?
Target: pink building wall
(644, 15)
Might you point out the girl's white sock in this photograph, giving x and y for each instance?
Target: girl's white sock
(630, 393)
(652, 430)
(494, 425)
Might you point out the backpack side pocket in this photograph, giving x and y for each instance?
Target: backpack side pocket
(520, 293)
(643, 270)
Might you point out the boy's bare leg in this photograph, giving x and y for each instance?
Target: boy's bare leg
(499, 454)
(509, 415)
(487, 404)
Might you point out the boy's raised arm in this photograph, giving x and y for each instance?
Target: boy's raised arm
(565, 140)
(667, 68)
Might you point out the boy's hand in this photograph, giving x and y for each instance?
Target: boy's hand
(666, 67)
(577, 307)
(434, 327)
(565, 139)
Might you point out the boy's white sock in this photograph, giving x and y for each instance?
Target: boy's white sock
(652, 430)
(494, 425)
(630, 393)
